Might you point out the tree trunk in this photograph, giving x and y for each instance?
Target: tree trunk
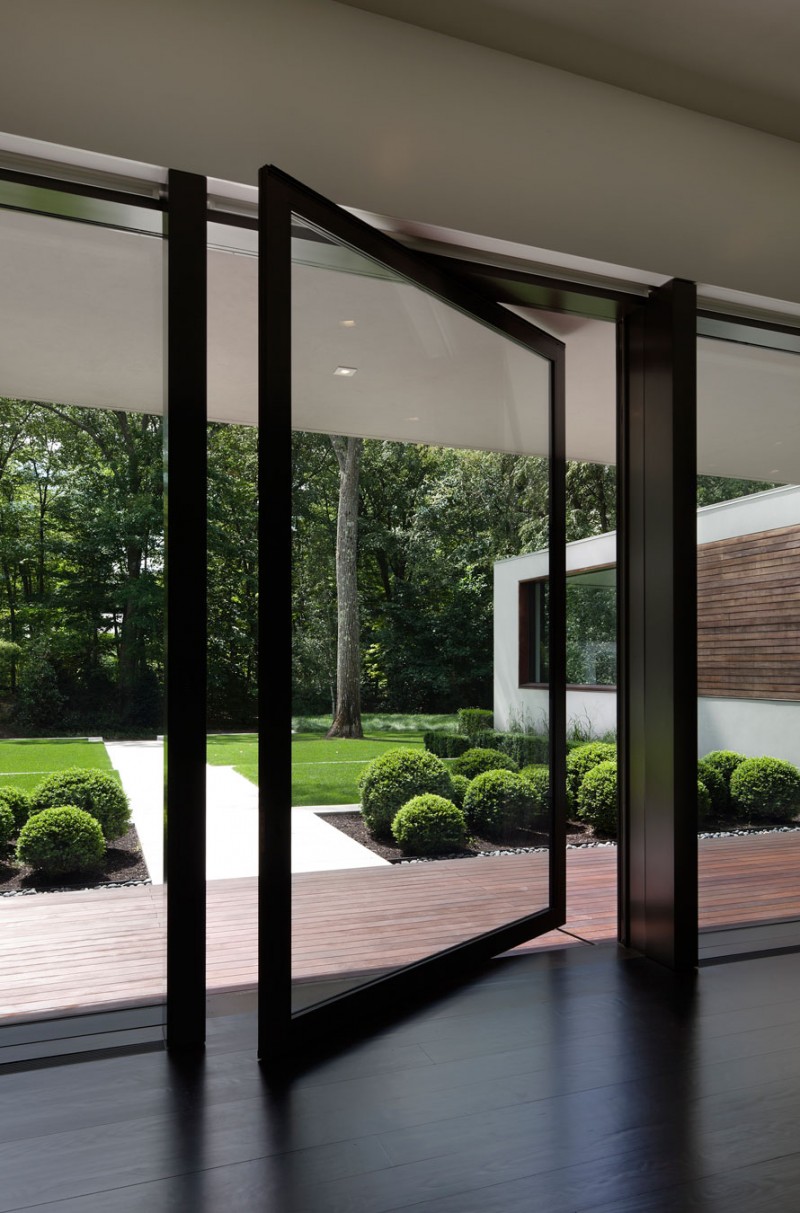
(347, 717)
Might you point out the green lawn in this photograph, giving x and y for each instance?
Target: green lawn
(25, 763)
(323, 772)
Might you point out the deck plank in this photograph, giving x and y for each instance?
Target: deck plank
(102, 947)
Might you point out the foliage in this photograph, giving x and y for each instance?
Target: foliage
(597, 798)
(446, 745)
(19, 804)
(538, 776)
(524, 748)
(389, 782)
(39, 702)
(60, 840)
(7, 826)
(96, 792)
(475, 761)
(499, 803)
(10, 654)
(703, 801)
(429, 825)
(460, 784)
(714, 782)
(724, 762)
(766, 787)
(580, 761)
(474, 721)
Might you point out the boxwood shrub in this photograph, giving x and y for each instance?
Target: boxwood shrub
(7, 827)
(714, 782)
(597, 798)
(724, 763)
(446, 745)
(498, 803)
(20, 804)
(390, 781)
(704, 802)
(96, 792)
(460, 784)
(538, 778)
(581, 760)
(60, 840)
(766, 787)
(477, 761)
(474, 721)
(430, 825)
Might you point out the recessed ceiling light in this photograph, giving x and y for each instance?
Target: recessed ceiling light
(345, 370)
(348, 324)
(412, 418)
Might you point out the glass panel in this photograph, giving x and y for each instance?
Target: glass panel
(232, 773)
(420, 460)
(81, 615)
(748, 533)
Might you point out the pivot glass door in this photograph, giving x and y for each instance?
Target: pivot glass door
(411, 436)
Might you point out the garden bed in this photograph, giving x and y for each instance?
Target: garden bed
(123, 864)
(352, 824)
(578, 835)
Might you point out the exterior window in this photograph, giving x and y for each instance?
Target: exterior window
(533, 632)
(591, 630)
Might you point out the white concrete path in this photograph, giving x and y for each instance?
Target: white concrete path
(231, 820)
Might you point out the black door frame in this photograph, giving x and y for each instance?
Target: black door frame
(283, 1034)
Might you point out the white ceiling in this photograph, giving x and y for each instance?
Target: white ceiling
(81, 322)
(733, 59)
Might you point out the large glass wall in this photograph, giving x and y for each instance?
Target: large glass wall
(421, 453)
(233, 649)
(81, 606)
(748, 615)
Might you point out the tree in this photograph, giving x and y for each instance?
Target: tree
(347, 717)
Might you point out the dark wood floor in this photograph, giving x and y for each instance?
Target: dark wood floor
(555, 1083)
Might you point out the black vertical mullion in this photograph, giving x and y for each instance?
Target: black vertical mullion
(185, 447)
(274, 620)
(557, 654)
(658, 674)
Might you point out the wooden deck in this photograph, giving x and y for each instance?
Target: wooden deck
(100, 948)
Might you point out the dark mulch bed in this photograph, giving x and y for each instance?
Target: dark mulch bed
(124, 863)
(353, 825)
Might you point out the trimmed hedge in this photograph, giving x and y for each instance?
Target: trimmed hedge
(498, 803)
(446, 745)
(460, 784)
(429, 825)
(390, 781)
(766, 787)
(96, 792)
(581, 760)
(724, 763)
(477, 761)
(20, 804)
(597, 798)
(60, 840)
(525, 748)
(474, 721)
(7, 828)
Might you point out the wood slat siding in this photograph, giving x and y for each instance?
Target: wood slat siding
(748, 616)
(104, 948)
